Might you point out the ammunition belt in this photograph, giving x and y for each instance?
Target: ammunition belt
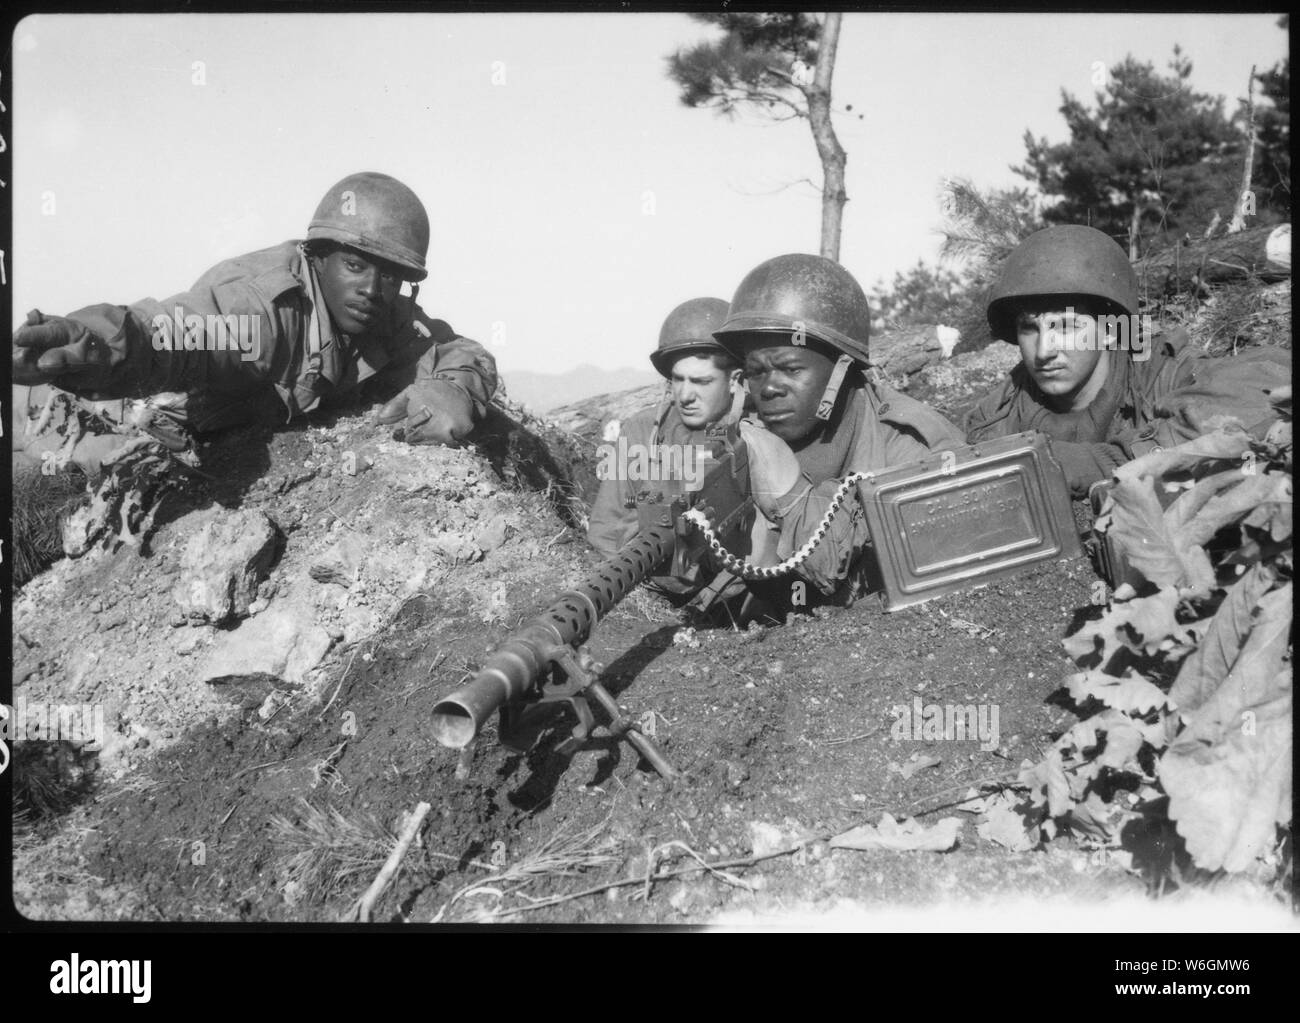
(742, 568)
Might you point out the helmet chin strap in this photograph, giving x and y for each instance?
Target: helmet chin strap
(738, 393)
(827, 404)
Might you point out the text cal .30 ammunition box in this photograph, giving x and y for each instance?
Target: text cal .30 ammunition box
(965, 516)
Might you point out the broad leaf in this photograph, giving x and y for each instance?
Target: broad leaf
(1047, 782)
(1140, 624)
(1189, 504)
(1275, 517)
(1280, 399)
(1136, 523)
(1122, 745)
(909, 835)
(1226, 798)
(1096, 819)
(1232, 505)
(1196, 456)
(1198, 578)
(1206, 668)
(1251, 679)
(1131, 694)
(1006, 826)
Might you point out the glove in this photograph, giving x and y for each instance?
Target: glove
(56, 350)
(773, 470)
(435, 412)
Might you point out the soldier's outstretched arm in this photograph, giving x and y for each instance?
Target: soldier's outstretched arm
(100, 352)
(224, 342)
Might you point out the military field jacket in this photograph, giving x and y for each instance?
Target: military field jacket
(243, 333)
(1175, 395)
(879, 428)
(612, 523)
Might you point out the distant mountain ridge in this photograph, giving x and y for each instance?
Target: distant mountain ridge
(542, 392)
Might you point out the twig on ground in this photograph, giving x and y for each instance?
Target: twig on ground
(994, 779)
(460, 859)
(652, 861)
(365, 906)
(852, 738)
(233, 807)
(695, 868)
(342, 678)
(276, 763)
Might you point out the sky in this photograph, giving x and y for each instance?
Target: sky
(574, 200)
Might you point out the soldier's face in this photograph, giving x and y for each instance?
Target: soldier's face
(1062, 352)
(359, 290)
(787, 384)
(701, 391)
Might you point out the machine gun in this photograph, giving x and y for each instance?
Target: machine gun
(544, 662)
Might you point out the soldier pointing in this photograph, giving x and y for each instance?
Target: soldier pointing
(270, 334)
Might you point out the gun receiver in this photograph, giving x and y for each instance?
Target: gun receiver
(544, 662)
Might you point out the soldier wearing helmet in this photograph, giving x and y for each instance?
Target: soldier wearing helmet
(1091, 375)
(801, 325)
(703, 395)
(270, 334)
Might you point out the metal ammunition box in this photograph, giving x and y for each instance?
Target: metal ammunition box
(963, 517)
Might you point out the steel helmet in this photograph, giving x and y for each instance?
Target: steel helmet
(689, 327)
(1067, 260)
(377, 215)
(795, 292)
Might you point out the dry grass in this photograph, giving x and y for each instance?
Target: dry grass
(1242, 316)
(643, 604)
(38, 503)
(564, 854)
(50, 778)
(326, 851)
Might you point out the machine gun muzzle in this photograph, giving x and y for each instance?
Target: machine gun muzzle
(512, 671)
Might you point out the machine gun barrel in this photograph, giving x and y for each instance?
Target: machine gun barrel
(519, 673)
(513, 668)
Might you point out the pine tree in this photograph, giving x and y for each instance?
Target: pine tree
(1153, 160)
(779, 65)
